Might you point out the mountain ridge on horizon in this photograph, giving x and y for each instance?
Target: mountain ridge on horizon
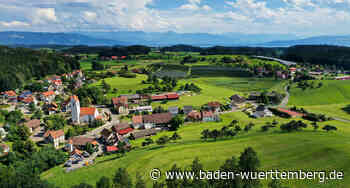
(165, 39)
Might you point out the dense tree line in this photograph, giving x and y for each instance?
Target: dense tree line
(20, 64)
(125, 51)
(181, 48)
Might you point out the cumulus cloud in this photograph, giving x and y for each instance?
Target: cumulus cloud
(14, 24)
(194, 5)
(44, 16)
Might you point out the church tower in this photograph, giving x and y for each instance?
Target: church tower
(75, 105)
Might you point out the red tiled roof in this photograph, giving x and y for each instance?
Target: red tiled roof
(87, 111)
(48, 93)
(28, 100)
(111, 148)
(159, 97)
(207, 114)
(291, 113)
(35, 123)
(54, 134)
(172, 96)
(120, 126)
(10, 93)
(120, 100)
(137, 119)
(125, 131)
(214, 104)
(194, 115)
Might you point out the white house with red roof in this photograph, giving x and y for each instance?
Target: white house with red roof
(55, 137)
(82, 114)
(48, 96)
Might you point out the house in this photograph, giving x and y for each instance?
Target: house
(47, 96)
(172, 96)
(343, 78)
(111, 149)
(121, 105)
(28, 100)
(4, 149)
(10, 95)
(52, 108)
(158, 97)
(24, 94)
(261, 111)
(122, 129)
(88, 114)
(194, 116)
(237, 99)
(156, 120)
(137, 122)
(214, 106)
(80, 142)
(33, 125)
(168, 96)
(187, 109)
(55, 137)
(144, 133)
(108, 137)
(174, 110)
(83, 114)
(290, 113)
(208, 116)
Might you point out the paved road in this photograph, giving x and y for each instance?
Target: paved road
(286, 98)
(288, 63)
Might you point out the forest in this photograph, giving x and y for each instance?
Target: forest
(19, 65)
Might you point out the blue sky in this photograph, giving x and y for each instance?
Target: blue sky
(299, 17)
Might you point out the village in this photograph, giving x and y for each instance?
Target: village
(106, 131)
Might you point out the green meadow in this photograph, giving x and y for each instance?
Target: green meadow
(307, 150)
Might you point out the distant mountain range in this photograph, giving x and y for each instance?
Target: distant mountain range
(156, 39)
(319, 40)
(195, 39)
(36, 38)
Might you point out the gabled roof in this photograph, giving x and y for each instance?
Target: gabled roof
(48, 93)
(214, 104)
(237, 99)
(82, 141)
(125, 131)
(28, 100)
(158, 97)
(111, 148)
(120, 100)
(172, 96)
(35, 123)
(291, 113)
(54, 134)
(10, 93)
(207, 114)
(84, 111)
(137, 119)
(194, 115)
(74, 97)
(120, 126)
(157, 118)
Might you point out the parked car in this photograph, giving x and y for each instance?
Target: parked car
(86, 154)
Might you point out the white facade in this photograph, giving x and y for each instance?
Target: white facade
(75, 107)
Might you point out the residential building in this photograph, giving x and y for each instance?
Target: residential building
(33, 125)
(10, 95)
(156, 120)
(145, 133)
(48, 96)
(237, 99)
(261, 111)
(122, 129)
(208, 116)
(121, 105)
(137, 121)
(214, 106)
(80, 142)
(55, 137)
(290, 113)
(194, 116)
(108, 137)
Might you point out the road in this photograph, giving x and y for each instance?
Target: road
(286, 98)
(284, 62)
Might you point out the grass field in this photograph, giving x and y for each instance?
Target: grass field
(307, 150)
(332, 92)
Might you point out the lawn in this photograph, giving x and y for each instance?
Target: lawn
(332, 92)
(308, 150)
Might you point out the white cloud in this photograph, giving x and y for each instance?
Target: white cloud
(89, 16)
(194, 5)
(14, 24)
(44, 16)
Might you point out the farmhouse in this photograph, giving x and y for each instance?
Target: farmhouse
(33, 125)
(48, 96)
(122, 129)
(168, 96)
(290, 113)
(80, 142)
(194, 116)
(156, 120)
(121, 105)
(137, 122)
(261, 111)
(237, 99)
(55, 137)
(108, 137)
(208, 116)
(214, 106)
(10, 96)
(144, 133)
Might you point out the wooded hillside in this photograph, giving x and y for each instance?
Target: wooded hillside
(19, 65)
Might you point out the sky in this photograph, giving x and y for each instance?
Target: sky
(298, 17)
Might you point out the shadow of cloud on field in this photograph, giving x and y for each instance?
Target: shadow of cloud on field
(346, 109)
